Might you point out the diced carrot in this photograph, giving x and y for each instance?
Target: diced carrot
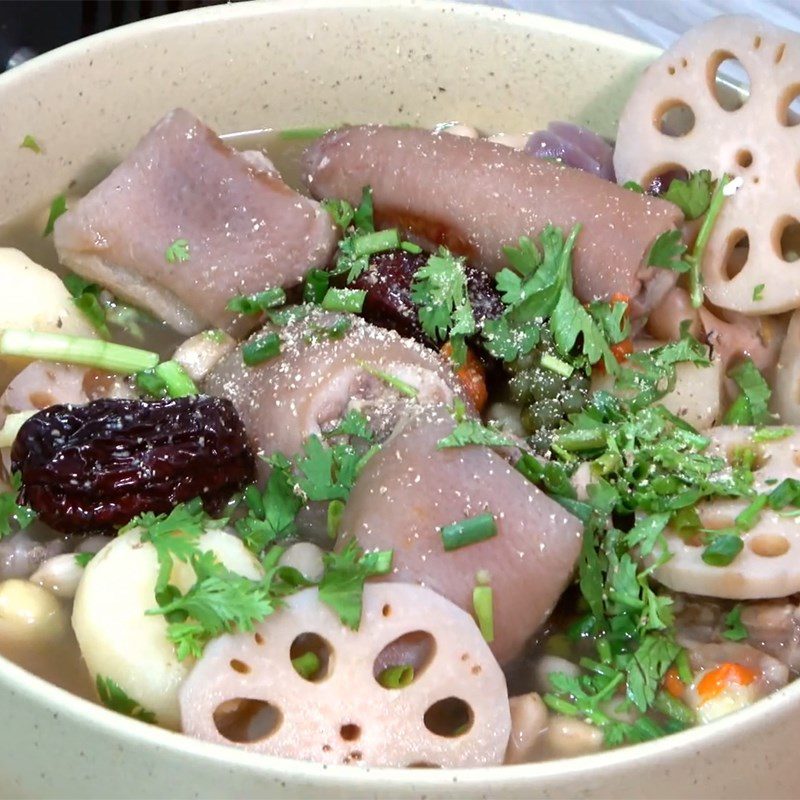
(717, 680)
(472, 375)
(622, 350)
(673, 683)
(618, 297)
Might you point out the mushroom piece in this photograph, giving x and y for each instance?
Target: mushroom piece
(329, 363)
(722, 130)
(786, 380)
(245, 690)
(769, 563)
(475, 196)
(411, 489)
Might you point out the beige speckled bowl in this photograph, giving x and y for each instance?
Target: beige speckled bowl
(309, 63)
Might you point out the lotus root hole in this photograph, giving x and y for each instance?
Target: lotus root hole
(789, 106)
(746, 455)
(313, 643)
(787, 233)
(386, 610)
(769, 545)
(658, 180)
(728, 80)
(449, 718)
(756, 43)
(737, 253)
(781, 49)
(259, 639)
(244, 720)
(415, 649)
(671, 70)
(744, 158)
(675, 118)
(239, 666)
(350, 732)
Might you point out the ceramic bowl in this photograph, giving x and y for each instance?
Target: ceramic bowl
(288, 64)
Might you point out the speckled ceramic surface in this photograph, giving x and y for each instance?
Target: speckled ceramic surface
(276, 64)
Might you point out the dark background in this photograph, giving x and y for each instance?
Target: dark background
(42, 25)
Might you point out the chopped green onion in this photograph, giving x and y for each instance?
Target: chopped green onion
(749, 515)
(390, 380)
(723, 549)
(335, 511)
(76, 350)
(12, 425)
(484, 611)
(376, 242)
(31, 144)
(771, 434)
(633, 186)
(82, 559)
(147, 382)
(307, 665)
(786, 493)
(410, 247)
(734, 631)
(262, 349)
(549, 361)
(397, 677)
(350, 300)
(176, 381)
(177, 251)
(671, 707)
(684, 667)
(468, 531)
(316, 285)
(758, 292)
(377, 562)
(57, 208)
(293, 134)
(701, 242)
(257, 303)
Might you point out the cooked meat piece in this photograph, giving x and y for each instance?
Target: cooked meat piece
(244, 228)
(475, 196)
(410, 489)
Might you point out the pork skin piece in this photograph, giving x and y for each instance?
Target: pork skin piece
(318, 377)
(410, 489)
(475, 196)
(245, 228)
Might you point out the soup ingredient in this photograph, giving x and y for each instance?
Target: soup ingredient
(573, 146)
(321, 373)
(60, 574)
(412, 489)
(567, 737)
(34, 299)
(748, 137)
(14, 516)
(143, 456)
(786, 378)
(610, 254)
(245, 691)
(714, 682)
(30, 616)
(31, 144)
(528, 723)
(57, 207)
(306, 558)
(751, 406)
(119, 640)
(199, 354)
(112, 696)
(472, 374)
(119, 235)
(167, 379)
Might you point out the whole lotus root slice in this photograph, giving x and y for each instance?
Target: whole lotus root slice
(769, 563)
(455, 713)
(755, 142)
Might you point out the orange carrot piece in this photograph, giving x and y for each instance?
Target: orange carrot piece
(472, 375)
(673, 683)
(717, 680)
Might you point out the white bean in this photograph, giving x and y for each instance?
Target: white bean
(306, 558)
(567, 736)
(528, 721)
(29, 614)
(60, 575)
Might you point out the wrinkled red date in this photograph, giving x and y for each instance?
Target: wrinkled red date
(94, 467)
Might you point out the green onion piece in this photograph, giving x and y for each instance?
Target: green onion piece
(262, 349)
(696, 258)
(82, 559)
(484, 611)
(771, 434)
(556, 365)
(749, 516)
(316, 285)
(12, 425)
(377, 242)
(335, 511)
(377, 562)
(410, 247)
(723, 549)
(397, 677)
(671, 707)
(176, 381)
(633, 186)
(390, 380)
(307, 665)
(31, 144)
(350, 300)
(293, 134)
(57, 208)
(76, 350)
(468, 531)
(786, 493)
(582, 439)
(256, 303)
(684, 667)
(147, 382)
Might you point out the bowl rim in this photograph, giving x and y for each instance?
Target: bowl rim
(141, 734)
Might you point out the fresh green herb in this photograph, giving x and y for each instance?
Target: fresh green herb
(307, 665)
(215, 335)
(633, 186)
(86, 296)
(13, 516)
(771, 434)
(668, 251)
(693, 195)
(262, 349)
(349, 300)
(341, 212)
(113, 696)
(735, 631)
(396, 383)
(335, 330)
(76, 350)
(295, 134)
(396, 677)
(473, 431)
(83, 559)
(257, 303)
(751, 407)
(556, 365)
(176, 381)
(671, 707)
(178, 251)
(749, 516)
(334, 520)
(468, 531)
(758, 292)
(723, 549)
(31, 144)
(483, 608)
(368, 244)
(316, 285)
(57, 208)
(410, 247)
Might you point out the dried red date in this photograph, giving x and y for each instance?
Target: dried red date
(388, 303)
(93, 467)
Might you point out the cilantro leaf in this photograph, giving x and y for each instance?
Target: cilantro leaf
(57, 208)
(474, 432)
(13, 516)
(178, 251)
(86, 296)
(113, 696)
(751, 407)
(667, 252)
(31, 144)
(507, 342)
(693, 195)
(83, 559)
(735, 631)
